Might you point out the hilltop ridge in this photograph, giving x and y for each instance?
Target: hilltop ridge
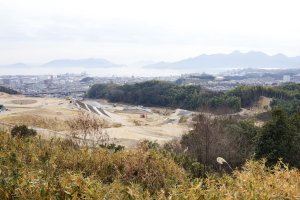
(236, 59)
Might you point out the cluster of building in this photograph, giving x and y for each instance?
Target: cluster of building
(221, 84)
(66, 85)
(72, 85)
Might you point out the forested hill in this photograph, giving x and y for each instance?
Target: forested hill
(286, 96)
(161, 93)
(7, 90)
(250, 94)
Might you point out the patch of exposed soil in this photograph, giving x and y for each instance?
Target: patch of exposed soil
(2, 94)
(23, 101)
(52, 113)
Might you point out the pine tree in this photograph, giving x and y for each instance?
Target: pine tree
(278, 139)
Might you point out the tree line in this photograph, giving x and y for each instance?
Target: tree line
(251, 94)
(161, 93)
(286, 96)
(7, 90)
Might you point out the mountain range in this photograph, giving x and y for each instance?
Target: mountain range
(88, 63)
(17, 65)
(235, 59)
(85, 63)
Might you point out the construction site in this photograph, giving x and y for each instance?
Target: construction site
(125, 125)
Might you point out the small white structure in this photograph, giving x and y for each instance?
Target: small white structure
(286, 78)
(219, 78)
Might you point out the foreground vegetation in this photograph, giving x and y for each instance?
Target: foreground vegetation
(32, 168)
(192, 168)
(223, 157)
(35, 169)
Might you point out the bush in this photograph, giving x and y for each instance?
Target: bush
(224, 137)
(37, 169)
(116, 125)
(23, 131)
(183, 119)
(112, 146)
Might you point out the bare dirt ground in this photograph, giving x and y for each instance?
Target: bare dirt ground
(52, 113)
(156, 127)
(48, 113)
(258, 107)
(127, 127)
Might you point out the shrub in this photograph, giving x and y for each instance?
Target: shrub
(254, 181)
(220, 137)
(147, 144)
(112, 146)
(116, 125)
(87, 128)
(22, 131)
(37, 169)
(137, 122)
(183, 119)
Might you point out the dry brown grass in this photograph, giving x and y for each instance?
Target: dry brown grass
(47, 122)
(35, 169)
(161, 111)
(183, 119)
(3, 94)
(137, 122)
(116, 125)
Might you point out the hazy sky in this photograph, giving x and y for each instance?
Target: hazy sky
(126, 31)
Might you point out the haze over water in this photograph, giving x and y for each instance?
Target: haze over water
(103, 72)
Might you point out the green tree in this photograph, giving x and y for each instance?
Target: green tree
(7, 90)
(278, 139)
(163, 93)
(86, 79)
(22, 131)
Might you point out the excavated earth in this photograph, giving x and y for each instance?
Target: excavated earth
(126, 126)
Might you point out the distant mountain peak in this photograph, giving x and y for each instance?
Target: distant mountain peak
(18, 65)
(280, 55)
(86, 63)
(236, 52)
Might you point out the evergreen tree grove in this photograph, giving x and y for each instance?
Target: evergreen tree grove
(278, 138)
